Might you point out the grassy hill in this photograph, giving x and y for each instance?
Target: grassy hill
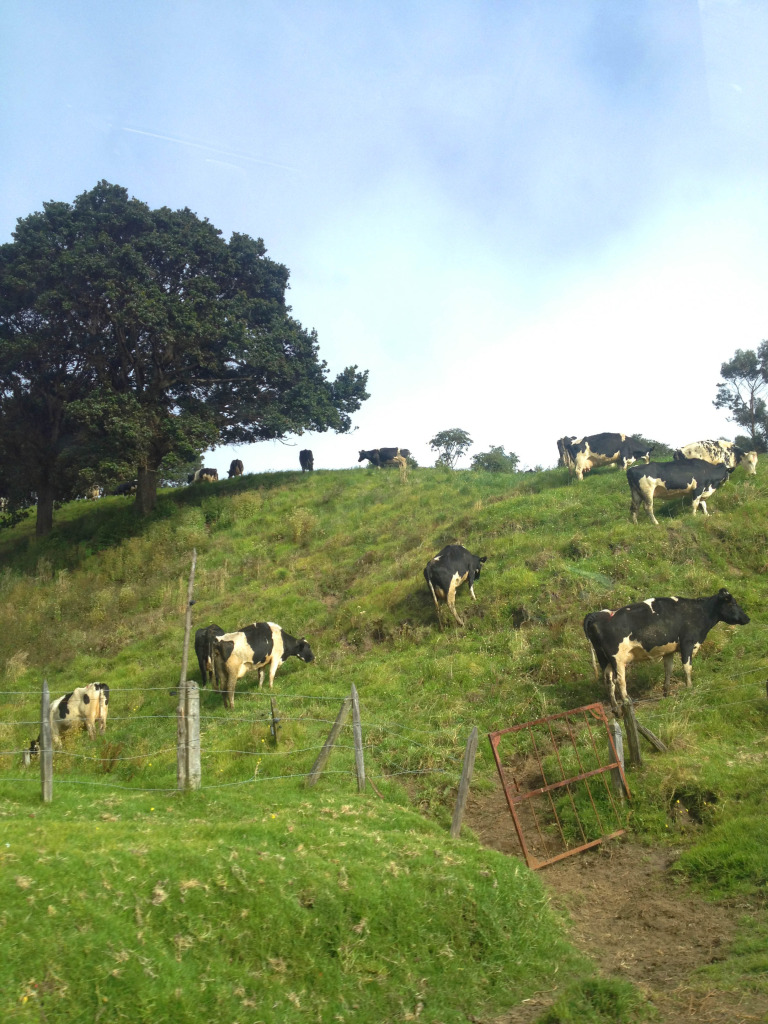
(257, 899)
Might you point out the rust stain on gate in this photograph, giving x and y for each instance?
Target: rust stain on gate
(564, 756)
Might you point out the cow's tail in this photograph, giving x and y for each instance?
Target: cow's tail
(593, 638)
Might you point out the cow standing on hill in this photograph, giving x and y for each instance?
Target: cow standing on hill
(235, 468)
(654, 629)
(205, 475)
(604, 450)
(385, 456)
(446, 572)
(717, 452)
(674, 480)
(306, 460)
(254, 646)
(204, 650)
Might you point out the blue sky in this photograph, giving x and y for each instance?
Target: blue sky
(525, 218)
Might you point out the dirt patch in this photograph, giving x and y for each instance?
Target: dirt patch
(635, 920)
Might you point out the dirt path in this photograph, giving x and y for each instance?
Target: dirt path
(634, 920)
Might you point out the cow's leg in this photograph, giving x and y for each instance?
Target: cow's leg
(634, 506)
(686, 656)
(274, 665)
(667, 672)
(451, 598)
(610, 682)
(261, 677)
(437, 605)
(621, 679)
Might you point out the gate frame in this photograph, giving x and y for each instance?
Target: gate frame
(596, 711)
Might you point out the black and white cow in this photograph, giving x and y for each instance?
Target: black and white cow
(204, 650)
(235, 468)
(604, 450)
(307, 460)
(654, 629)
(126, 489)
(385, 456)
(82, 708)
(204, 474)
(674, 480)
(446, 572)
(254, 646)
(726, 452)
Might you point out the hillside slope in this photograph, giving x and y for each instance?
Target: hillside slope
(337, 557)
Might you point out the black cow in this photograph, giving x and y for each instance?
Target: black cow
(235, 468)
(564, 450)
(604, 450)
(204, 650)
(254, 646)
(306, 460)
(446, 572)
(674, 480)
(385, 456)
(128, 488)
(206, 475)
(655, 629)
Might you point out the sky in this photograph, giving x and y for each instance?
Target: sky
(525, 218)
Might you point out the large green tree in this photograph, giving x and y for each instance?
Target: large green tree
(743, 390)
(186, 336)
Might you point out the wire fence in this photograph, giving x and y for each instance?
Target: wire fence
(272, 739)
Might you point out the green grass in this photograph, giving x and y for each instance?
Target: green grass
(338, 557)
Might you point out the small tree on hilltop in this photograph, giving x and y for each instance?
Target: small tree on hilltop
(742, 391)
(496, 460)
(450, 445)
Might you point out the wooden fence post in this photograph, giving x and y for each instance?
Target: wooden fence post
(46, 746)
(633, 739)
(194, 772)
(325, 753)
(181, 709)
(618, 745)
(357, 731)
(466, 778)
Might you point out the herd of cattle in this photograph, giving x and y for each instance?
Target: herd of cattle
(653, 629)
(698, 469)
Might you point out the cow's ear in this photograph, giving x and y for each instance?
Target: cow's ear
(86, 699)
(484, 558)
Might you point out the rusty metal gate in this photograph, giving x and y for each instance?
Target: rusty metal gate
(549, 768)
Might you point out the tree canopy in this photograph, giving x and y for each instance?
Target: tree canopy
(495, 461)
(450, 445)
(129, 335)
(743, 391)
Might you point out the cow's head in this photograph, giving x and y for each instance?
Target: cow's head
(304, 651)
(476, 568)
(729, 611)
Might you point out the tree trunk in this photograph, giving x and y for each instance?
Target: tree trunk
(45, 498)
(146, 492)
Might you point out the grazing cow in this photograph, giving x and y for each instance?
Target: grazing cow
(127, 489)
(725, 452)
(604, 450)
(204, 650)
(80, 708)
(674, 480)
(385, 456)
(446, 572)
(654, 629)
(235, 468)
(307, 460)
(254, 646)
(206, 475)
